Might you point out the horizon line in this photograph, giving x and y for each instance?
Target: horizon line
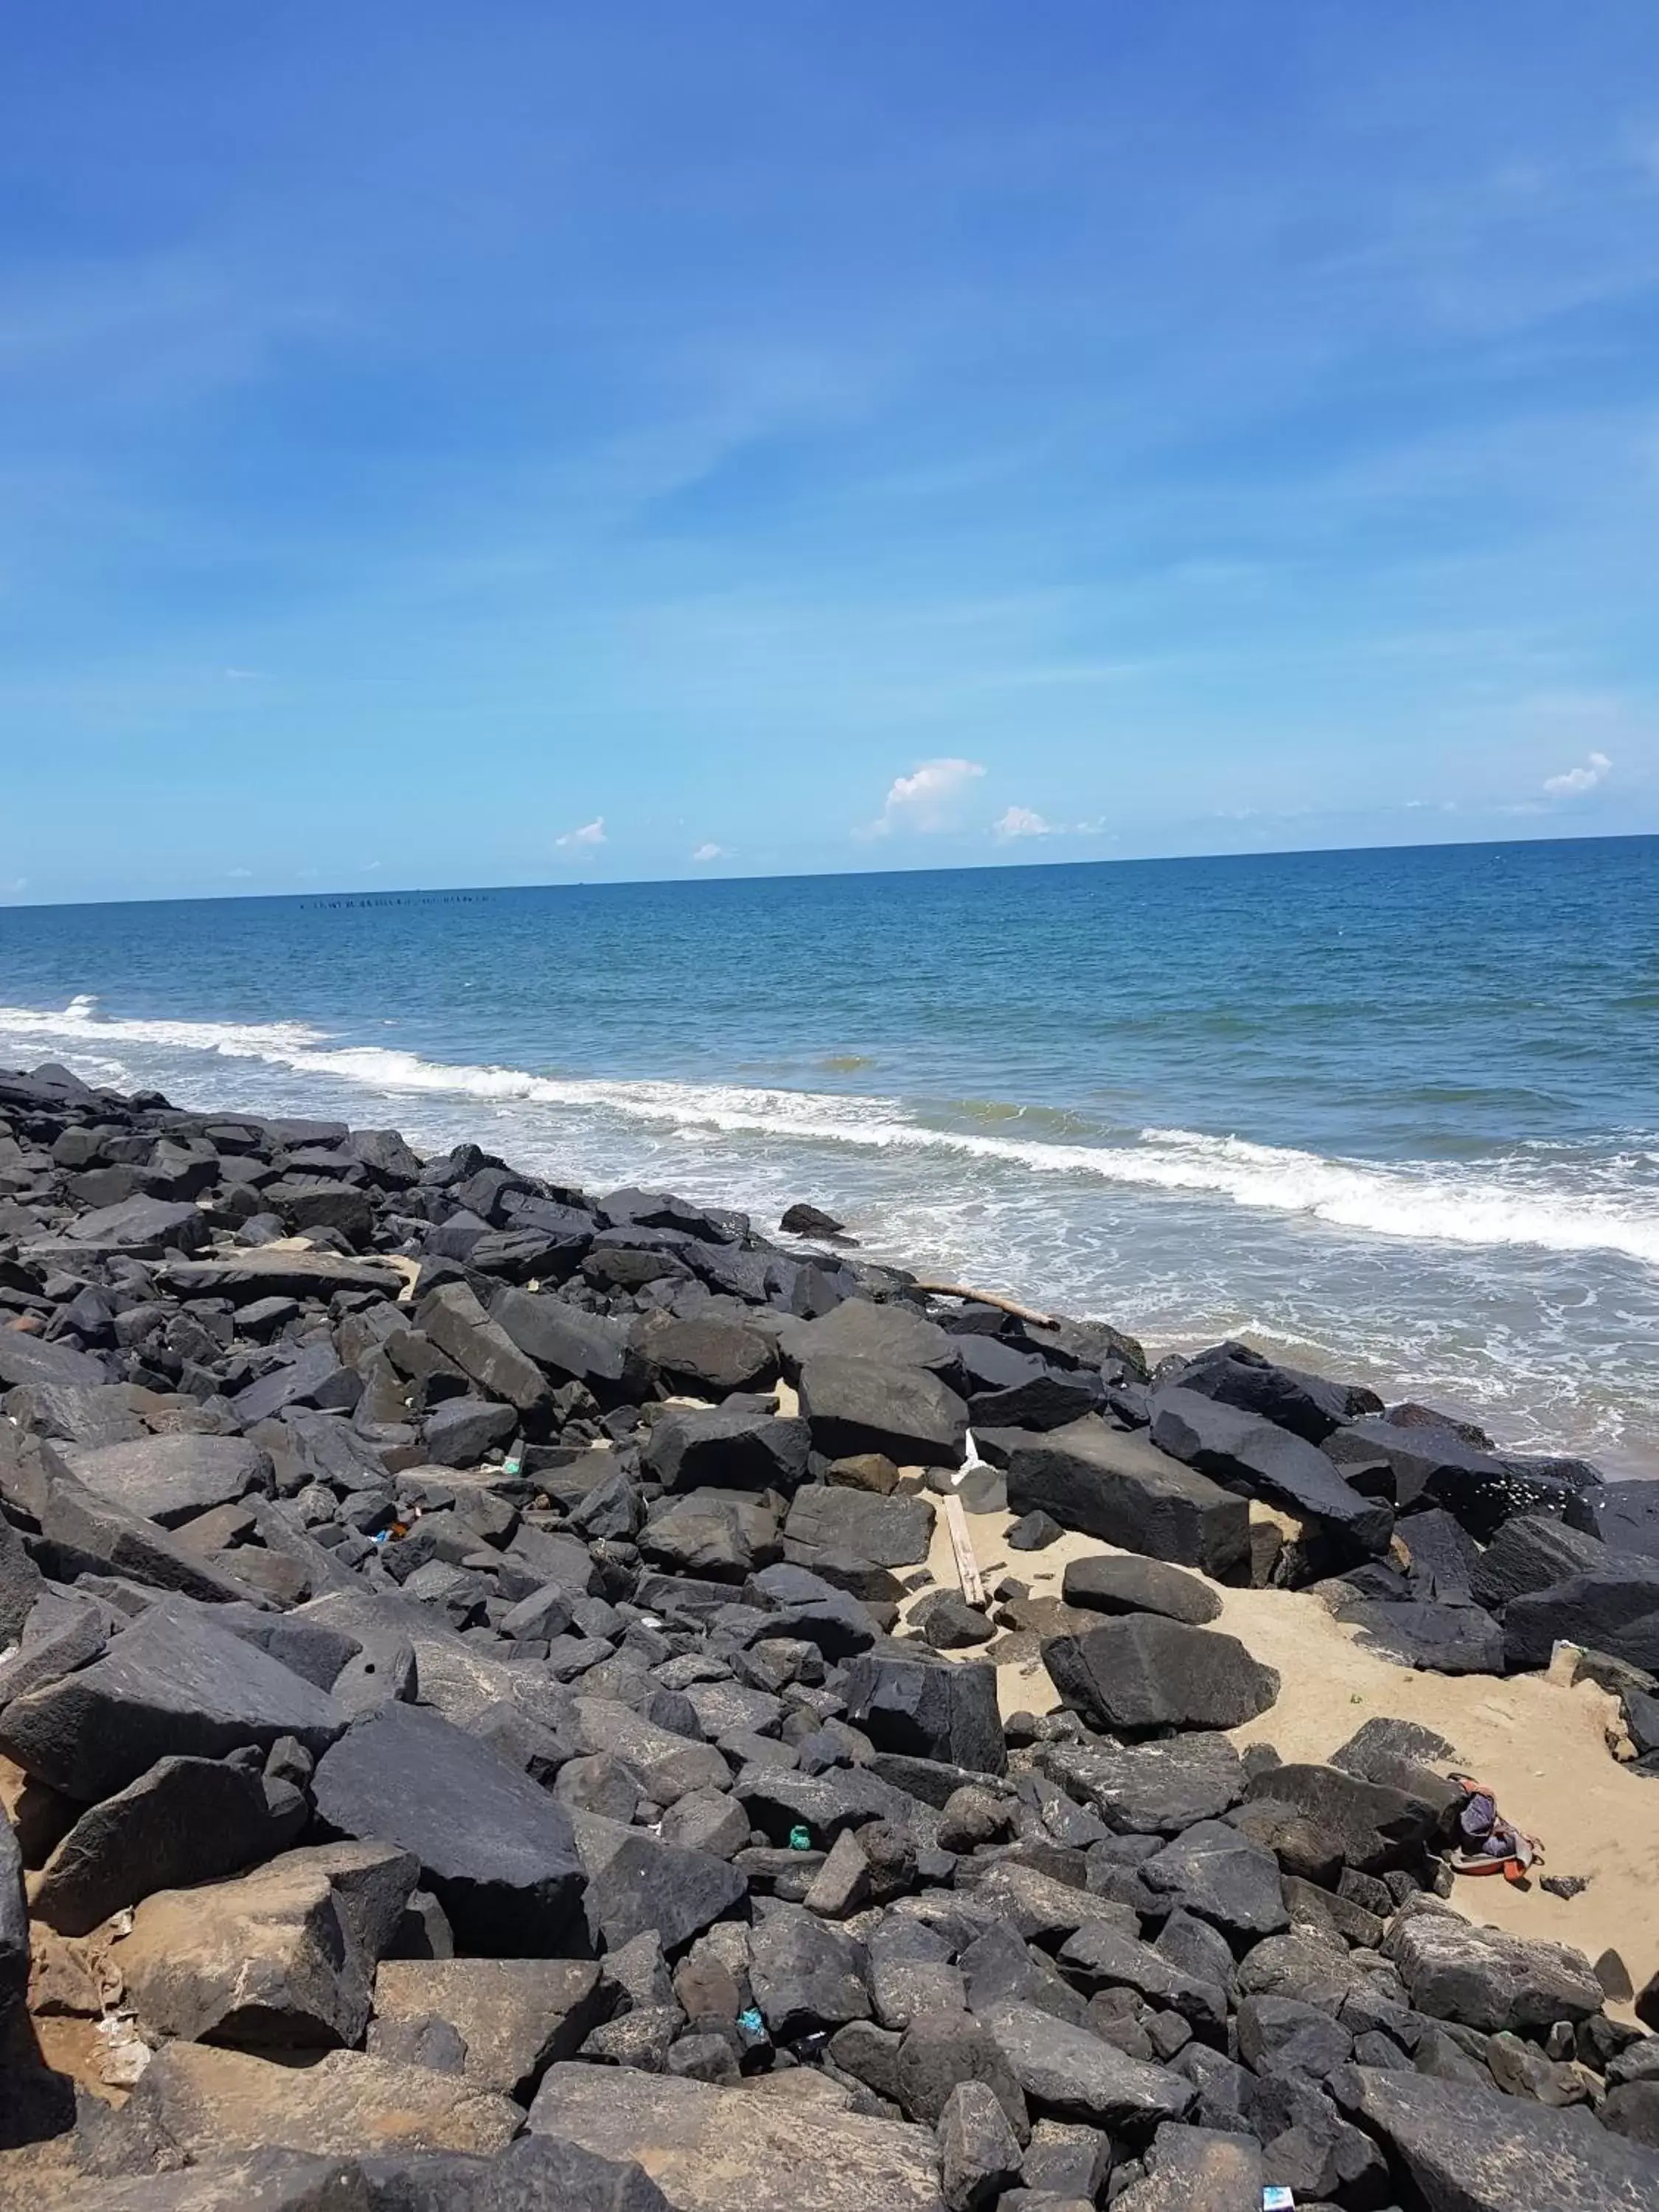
(383, 894)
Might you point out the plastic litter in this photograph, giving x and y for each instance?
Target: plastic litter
(750, 2022)
(800, 1838)
(1275, 2197)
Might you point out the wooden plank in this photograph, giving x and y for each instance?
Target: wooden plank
(963, 1545)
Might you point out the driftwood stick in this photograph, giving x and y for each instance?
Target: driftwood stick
(989, 1298)
(962, 1545)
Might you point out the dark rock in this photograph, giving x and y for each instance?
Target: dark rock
(1623, 1516)
(1485, 1979)
(515, 2017)
(949, 1623)
(1443, 1639)
(186, 1820)
(1242, 1451)
(1033, 1532)
(1615, 1610)
(1073, 2075)
(1435, 1464)
(729, 1447)
(637, 1882)
(485, 1345)
(496, 1850)
(1150, 1789)
(1121, 1490)
(1470, 2151)
(143, 1227)
(572, 1346)
(460, 1430)
(704, 1356)
(1144, 1672)
(1308, 1405)
(1127, 1585)
(172, 1685)
(805, 1975)
(1371, 1826)
(1217, 1876)
(893, 1532)
(854, 1405)
(979, 2152)
(170, 1479)
(910, 1702)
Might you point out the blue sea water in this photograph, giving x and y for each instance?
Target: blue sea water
(1395, 1113)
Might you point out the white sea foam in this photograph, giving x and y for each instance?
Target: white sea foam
(1504, 1203)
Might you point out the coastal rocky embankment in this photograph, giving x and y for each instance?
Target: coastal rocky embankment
(498, 1710)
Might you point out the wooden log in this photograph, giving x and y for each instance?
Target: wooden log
(962, 1544)
(989, 1298)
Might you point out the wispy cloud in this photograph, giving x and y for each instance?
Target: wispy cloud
(591, 833)
(925, 802)
(1572, 782)
(712, 852)
(1022, 821)
(238, 875)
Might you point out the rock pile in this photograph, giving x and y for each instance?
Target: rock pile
(462, 1748)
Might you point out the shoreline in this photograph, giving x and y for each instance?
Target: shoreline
(580, 1556)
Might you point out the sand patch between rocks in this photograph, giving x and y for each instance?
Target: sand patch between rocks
(1541, 1747)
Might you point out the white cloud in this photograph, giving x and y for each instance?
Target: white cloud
(925, 800)
(238, 875)
(712, 852)
(591, 833)
(1023, 822)
(1575, 781)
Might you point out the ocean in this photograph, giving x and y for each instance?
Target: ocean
(1392, 1114)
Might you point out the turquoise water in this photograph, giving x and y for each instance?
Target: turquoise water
(1396, 1112)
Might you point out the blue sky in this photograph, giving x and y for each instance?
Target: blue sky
(520, 443)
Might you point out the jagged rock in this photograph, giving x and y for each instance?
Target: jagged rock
(638, 1882)
(805, 1975)
(1033, 1532)
(1120, 1489)
(206, 2101)
(1218, 1875)
(1470, 2151)
(1073, 2075)
(1531, 1553)
(1101, 1956)
(1372, 1826)
(668, 1766)
(930, 1708)
(515, 2016)
(1113, 1585)
(1241, 1451)
(1615, 1610)
(285, 1955)
(172, 1685)
(1144, 1672)
(186, 1820)
(1444, 1639)
(83, 1534)
(893, 1532)
(705, 1357)
(1431, 1462)
(170, 1479)
(854, 1406)
(1197, 2169)
(485, 1346)
(143, 1227)
(572, 1346)
(1485, 1979)
(707, 2146)
(496, 1850)
(890, 1335)
(729, 1447)
(979, 2152)
(1150, 1789)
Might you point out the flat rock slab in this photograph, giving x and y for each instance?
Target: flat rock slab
(1122, 1490)
(277, 1271)
(1073, 2074)
(26, 1359)
(285, 1955)
(1123, 1583)
(1469, 2151)
(1150, 1789)
(170, 1479)
(928, 1707)
(1221, 1877)
(146, 1227)
(712, 2150)
(208, 2101)
(173, 1685)
(497, 1850)
(1485, 1979)
(1441, 1640)
(1241, 1451)
(1144, 1672)
(515, 2015)
(894, 1532)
